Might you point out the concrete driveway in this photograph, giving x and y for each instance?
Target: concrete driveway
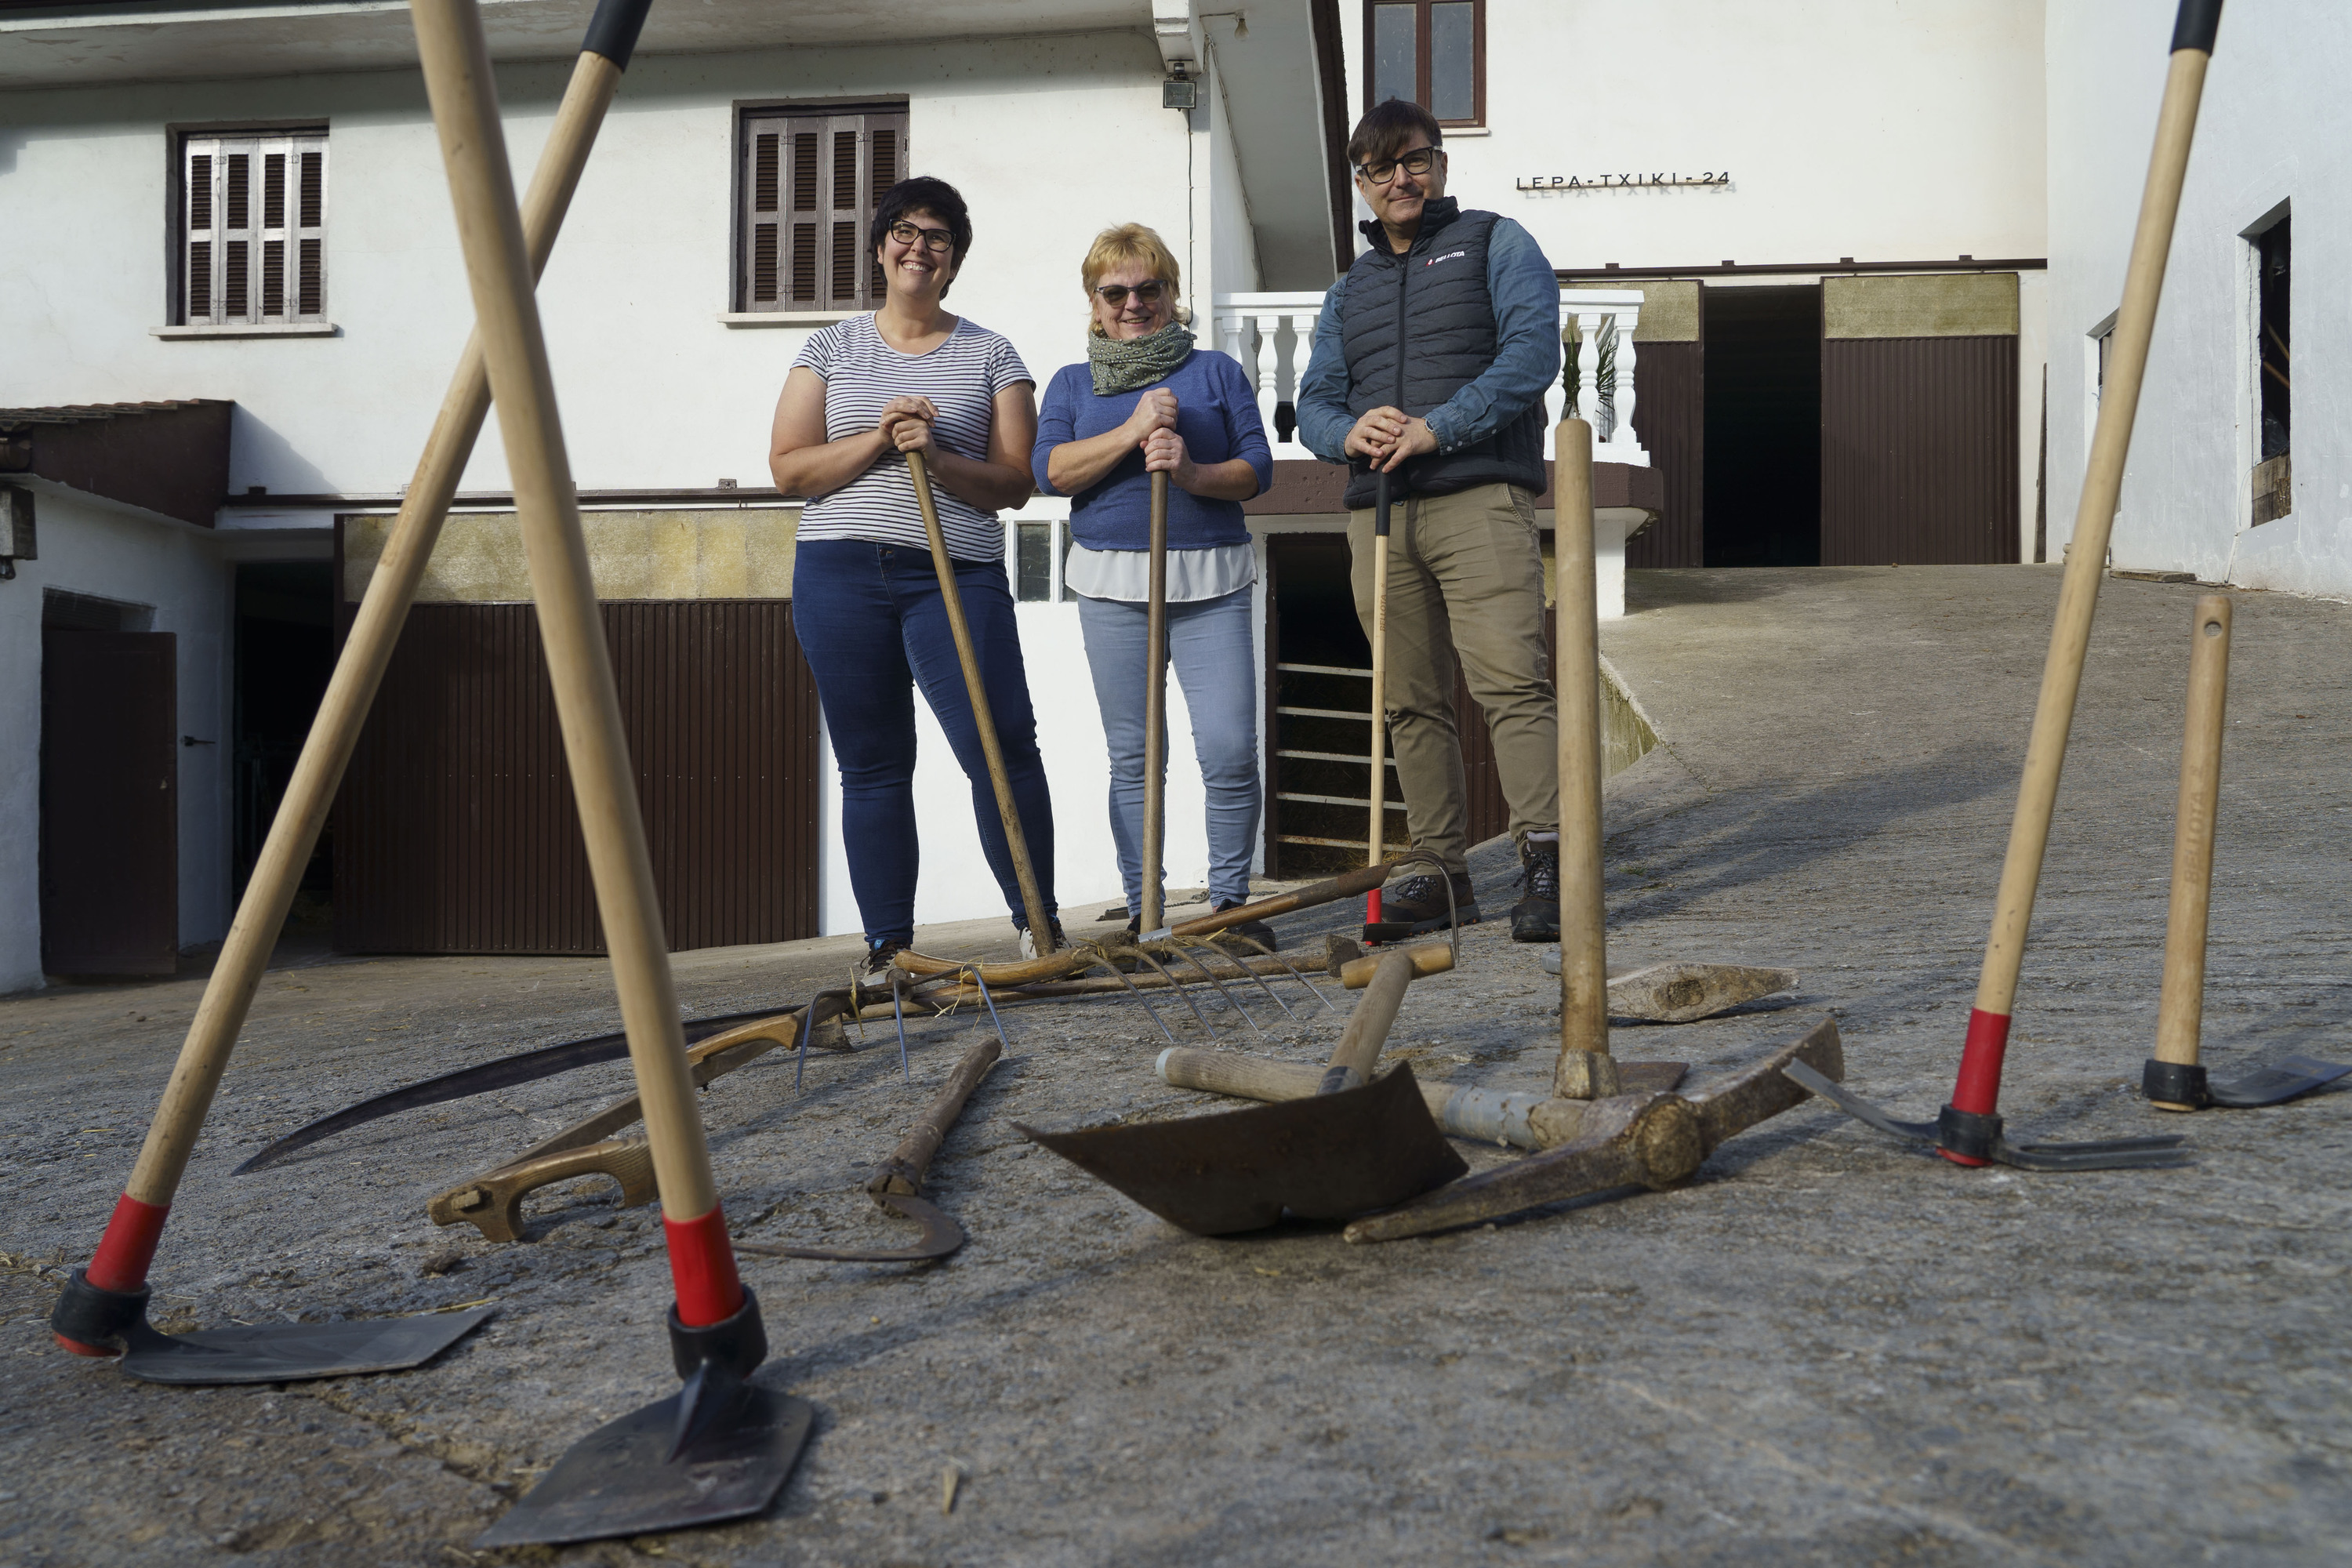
(1826, 1349)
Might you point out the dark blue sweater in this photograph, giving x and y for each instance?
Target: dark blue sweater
(1216, 412)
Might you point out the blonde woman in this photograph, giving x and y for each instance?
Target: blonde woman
(1146, 401)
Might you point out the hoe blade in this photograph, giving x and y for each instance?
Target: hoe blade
(1331, 1157)
(664, 1467)
(292, 1353)
(2286, 1079)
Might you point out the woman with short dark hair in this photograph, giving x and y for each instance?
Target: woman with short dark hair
(861, 395)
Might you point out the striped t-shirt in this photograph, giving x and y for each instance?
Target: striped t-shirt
(862, 374)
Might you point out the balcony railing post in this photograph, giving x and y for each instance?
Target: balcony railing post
(1269, 367)
(1621, 432)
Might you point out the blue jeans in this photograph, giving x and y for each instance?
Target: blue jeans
(873, 625)
(1209, 647)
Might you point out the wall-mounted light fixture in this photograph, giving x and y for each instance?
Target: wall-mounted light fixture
(1179, 91)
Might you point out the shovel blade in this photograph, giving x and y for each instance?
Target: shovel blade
(622, 1479)
(293, 1353)
(2286, 1079)
(1332, 1157)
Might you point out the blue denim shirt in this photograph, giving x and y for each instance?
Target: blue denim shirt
(1526, 355)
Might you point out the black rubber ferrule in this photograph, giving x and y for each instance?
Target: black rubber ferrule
(612, 31)
(2175, 1083)
(2195, 26)
(90, 1316)
(1966, 1133)
(738, 1344)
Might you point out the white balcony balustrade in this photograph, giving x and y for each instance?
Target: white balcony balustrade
(1271, 337)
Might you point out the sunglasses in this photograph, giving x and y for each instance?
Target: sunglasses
(933, 239)
(1115, 294)
(1417, 163)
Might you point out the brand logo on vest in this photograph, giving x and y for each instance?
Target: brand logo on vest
(1449, 256)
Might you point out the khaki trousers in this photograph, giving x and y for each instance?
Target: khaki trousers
(1466, 576)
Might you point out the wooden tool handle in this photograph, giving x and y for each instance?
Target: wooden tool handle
(1977, 1089)
(1155, 719)
(1367, 1026)
(492, 1203)
(359, 671)
(2179, 1009)
(1428, 958)
(1328, 891)
(1033, 903)
(1576, 676)
(1376, 842)
(902, 1172)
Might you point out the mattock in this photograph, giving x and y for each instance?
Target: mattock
(1968, 1131)
(105, 1305)
(2173, 1079)
(722, 1447)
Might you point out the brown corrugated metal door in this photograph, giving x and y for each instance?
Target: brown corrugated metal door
(1670, 418)
(1919, 399)
(457, 830)
(110, 829)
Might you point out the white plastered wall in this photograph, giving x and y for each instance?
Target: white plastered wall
(655, 392)
(176, 573)
(2273, 126)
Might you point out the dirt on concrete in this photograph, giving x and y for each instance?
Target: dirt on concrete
(1825, 1349)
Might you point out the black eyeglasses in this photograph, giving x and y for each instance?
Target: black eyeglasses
(935, 239)
(1115, 294)
(1417, 163)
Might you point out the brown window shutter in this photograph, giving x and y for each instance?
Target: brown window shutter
(255, 255)
(809, 184)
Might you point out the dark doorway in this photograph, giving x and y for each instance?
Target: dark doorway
(110, 797)
(285, 651)
(1319, 699)
(1763, 393)
(1319, 696)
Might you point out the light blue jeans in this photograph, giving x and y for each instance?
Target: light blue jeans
(1209, 647)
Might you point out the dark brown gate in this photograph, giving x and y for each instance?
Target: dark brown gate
(1919, 432)
(109, 801)
(1670, 419)
(457, 830)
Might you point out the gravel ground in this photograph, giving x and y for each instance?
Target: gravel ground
(1826, 1349)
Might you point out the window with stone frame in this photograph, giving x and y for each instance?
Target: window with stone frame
(1433, 52)
(251, 215)
(808, 180)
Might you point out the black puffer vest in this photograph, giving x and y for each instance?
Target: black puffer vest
(1432, 302)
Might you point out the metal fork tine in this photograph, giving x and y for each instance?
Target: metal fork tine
(1311, 988)
(1184, 951)
(1184, 991)
(1102, 961)
(899, 1016)
(992, 1018)
(1220, 953)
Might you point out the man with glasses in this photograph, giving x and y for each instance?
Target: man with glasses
(1430, 360)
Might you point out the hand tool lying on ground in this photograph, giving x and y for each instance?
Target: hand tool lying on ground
(1968, 1132)
(722, 1447)
(524, 1067)
(1033, 901)
(107, 1300)
(897, 1183)
(1520, 1121)
(493, 1202)
(1355, 1147)
(1653, 1141)
(1684, 992)
(2173, 1079)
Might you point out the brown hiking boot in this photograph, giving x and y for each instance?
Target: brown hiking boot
(1420, 903)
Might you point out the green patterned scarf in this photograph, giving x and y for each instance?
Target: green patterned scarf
(1128, 364)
